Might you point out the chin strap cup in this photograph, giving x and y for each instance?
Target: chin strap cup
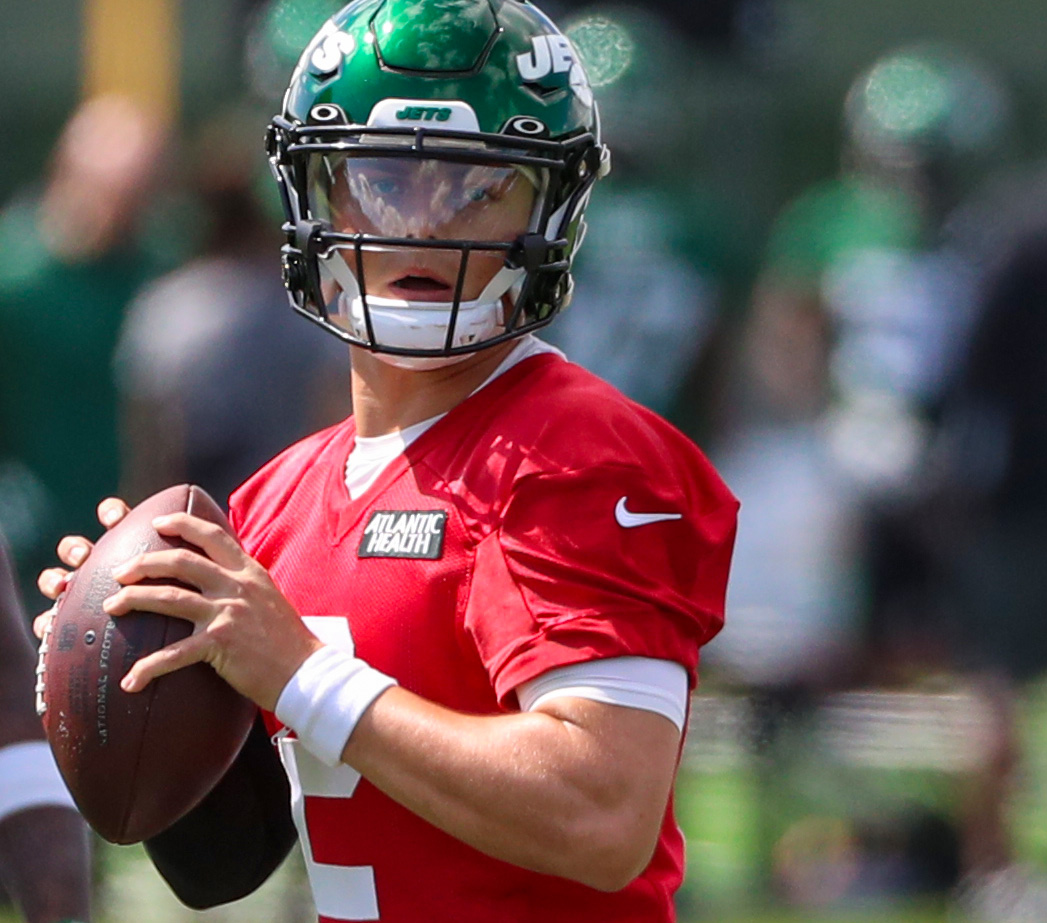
(528, 252)
(307, 236)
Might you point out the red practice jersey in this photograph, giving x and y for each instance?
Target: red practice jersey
(545, 521)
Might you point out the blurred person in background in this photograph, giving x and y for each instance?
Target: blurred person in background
(642, 227)
(44, 846)
(930, 123)
(215, 375)
(857, 321)
(70, 259)
(955, 547)
(981, 525)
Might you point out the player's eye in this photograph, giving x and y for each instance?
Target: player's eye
(385, 186)
(492, 191)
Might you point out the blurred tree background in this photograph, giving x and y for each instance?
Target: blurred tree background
(776, 71)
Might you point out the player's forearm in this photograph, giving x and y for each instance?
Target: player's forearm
(532, 789)
(44, 864)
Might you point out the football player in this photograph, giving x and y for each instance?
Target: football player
(471, 613)
(44, 851)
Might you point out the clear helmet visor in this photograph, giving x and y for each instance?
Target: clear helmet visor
(426, 199)
(423, 263)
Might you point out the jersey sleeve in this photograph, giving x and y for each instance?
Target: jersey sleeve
(570, 576)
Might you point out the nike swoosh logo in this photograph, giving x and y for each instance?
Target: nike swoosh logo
(629, 520)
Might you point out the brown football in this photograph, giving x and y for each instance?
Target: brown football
(134, 762)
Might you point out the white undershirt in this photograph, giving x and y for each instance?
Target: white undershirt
(371, 455)
(646, 683)
(635, 682)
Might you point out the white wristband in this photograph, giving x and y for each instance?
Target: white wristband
(29, 778)
(326, 698)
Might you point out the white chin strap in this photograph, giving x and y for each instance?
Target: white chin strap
(421, 325)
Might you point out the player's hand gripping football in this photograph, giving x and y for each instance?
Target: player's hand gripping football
(72, 552)
(244, 627)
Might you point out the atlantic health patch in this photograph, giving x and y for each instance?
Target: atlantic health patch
(404, 534)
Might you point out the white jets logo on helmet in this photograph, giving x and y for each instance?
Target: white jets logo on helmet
(554, 54)
(550, 54)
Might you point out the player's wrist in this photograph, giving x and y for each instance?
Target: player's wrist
(326, 698)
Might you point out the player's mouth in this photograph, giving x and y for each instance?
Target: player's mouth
(420, 285)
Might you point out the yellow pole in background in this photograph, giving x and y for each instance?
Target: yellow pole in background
(132, 47)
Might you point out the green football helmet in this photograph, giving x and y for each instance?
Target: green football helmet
(435, 158)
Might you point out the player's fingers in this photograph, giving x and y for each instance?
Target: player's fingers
(212, 539)
(42, 622)
(73, 550)
(177, 564)
(52, 581)
(166, 600)
(111, 510)
(166, 660)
